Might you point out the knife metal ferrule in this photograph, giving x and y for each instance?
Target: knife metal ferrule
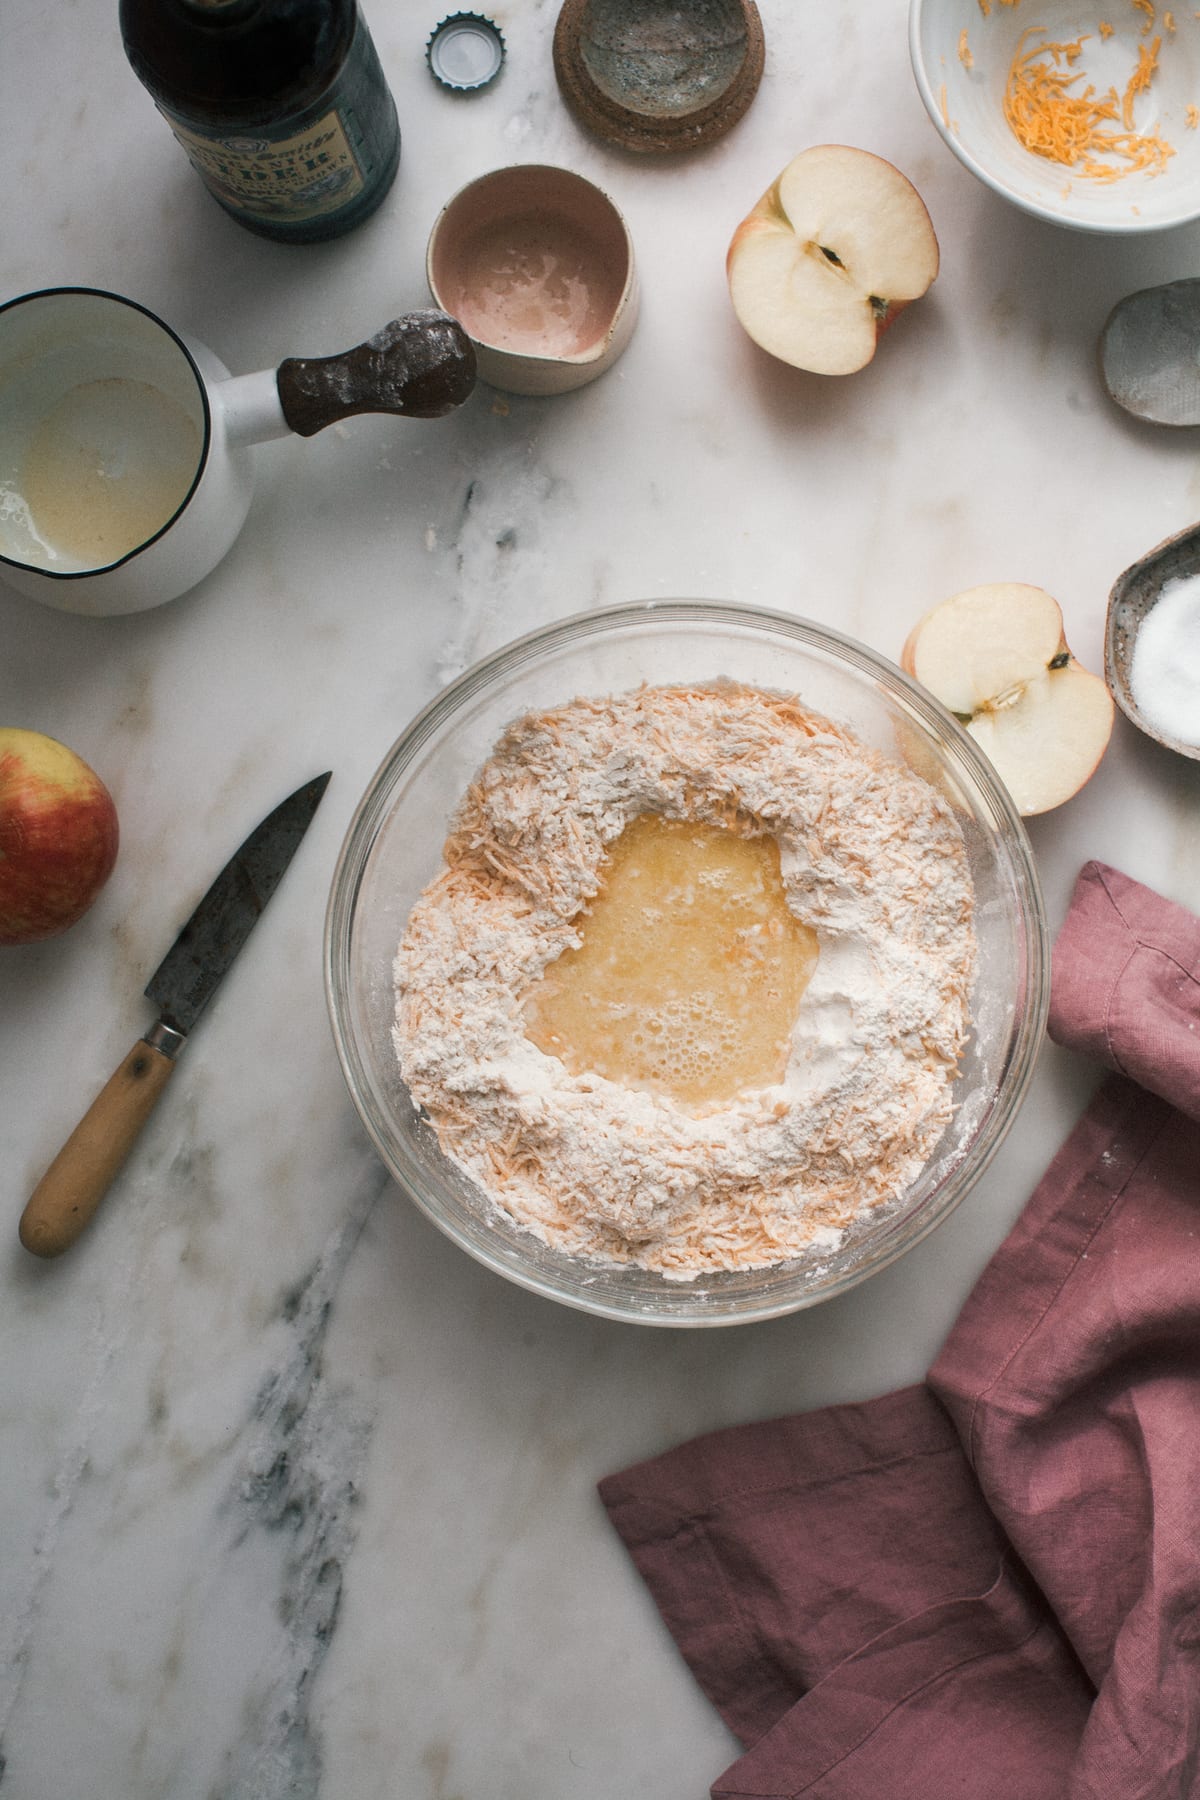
(165, 1038)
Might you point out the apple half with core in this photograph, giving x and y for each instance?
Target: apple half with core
(831, 255)
(58, 836)
(996, 657)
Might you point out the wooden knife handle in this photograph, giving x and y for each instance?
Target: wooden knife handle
(68, 1194)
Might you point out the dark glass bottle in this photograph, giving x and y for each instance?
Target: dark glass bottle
(281, 106)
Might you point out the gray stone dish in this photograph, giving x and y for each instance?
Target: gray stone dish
(1133, 596)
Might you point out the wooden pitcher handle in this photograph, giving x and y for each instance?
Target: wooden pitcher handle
(68, 1194)
(421, 366)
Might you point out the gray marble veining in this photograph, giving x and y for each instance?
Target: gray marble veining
(296, 1499)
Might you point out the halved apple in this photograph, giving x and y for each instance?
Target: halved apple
(832, 253)
(996, 657)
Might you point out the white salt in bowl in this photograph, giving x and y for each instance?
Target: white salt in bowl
(964, 96)
(1133, 600)
(394, 848)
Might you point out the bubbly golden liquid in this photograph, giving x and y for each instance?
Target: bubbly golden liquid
(107, 467)
(690, 971)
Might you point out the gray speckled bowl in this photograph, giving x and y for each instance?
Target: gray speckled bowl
(1133, 596)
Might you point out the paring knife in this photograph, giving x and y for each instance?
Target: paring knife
(68, 1194)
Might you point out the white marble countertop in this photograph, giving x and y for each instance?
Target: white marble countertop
(296, 1499)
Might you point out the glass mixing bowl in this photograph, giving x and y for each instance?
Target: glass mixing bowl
(393, 849)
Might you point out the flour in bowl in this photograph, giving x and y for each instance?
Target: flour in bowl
(872, 862)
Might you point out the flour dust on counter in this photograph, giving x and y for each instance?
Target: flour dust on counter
(496, 532)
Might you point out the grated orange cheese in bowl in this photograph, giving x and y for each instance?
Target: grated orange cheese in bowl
(1076, 114)
(1052, 116)
(1139, 81)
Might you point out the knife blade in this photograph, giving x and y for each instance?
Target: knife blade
(66, 1198)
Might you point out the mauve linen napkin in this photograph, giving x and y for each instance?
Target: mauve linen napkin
(988, 1585)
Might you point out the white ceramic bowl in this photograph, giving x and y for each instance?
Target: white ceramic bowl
(394, 848)
(536, 264)
(964, 96)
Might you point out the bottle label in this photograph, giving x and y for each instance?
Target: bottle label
(311, 173)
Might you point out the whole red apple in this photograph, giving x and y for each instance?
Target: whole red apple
(58, 836)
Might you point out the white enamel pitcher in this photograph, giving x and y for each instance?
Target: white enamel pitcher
(125, 450)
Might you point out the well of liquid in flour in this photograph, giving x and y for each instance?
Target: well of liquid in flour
(690, 971)
(106, 469)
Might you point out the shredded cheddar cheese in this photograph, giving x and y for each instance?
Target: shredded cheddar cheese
(1192, 117)
(1140, 80)
(945, 108)
(1105, 31)
(1052, 116)
(1145, 7)
(964, 51)
(1168, 20)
